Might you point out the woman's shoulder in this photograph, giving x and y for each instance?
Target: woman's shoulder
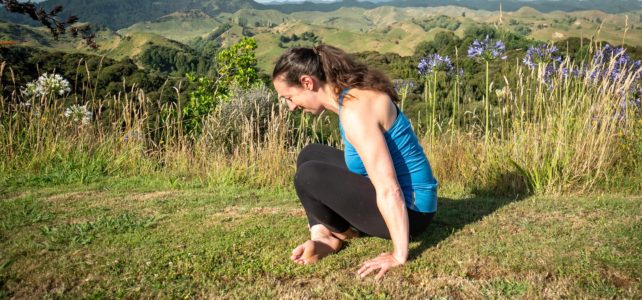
(368, 100)
(367, 105)
(363, 94)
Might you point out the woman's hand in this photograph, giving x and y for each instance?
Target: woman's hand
(383, 263)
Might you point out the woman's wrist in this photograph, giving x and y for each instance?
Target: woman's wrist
(400, 257)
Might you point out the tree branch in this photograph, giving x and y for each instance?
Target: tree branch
(51, 20)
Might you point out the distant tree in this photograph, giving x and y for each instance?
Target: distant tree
(480, 31)
(522, 30)
(50, 20)
(284, 39)
(237, 64)
(445, 42)
(247, 32)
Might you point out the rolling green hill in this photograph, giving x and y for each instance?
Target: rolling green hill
(390, 29)
(178, 26)
(135, 43)
(382, 29)
(117, 14)
(24, 35)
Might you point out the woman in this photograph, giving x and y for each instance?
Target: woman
(382, 185)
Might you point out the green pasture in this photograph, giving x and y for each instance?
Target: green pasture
(159, 238)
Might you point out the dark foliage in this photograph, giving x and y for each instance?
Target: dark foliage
(106, 76)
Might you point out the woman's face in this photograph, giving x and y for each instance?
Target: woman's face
(299, 97)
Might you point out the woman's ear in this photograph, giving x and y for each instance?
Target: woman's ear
(307, 82)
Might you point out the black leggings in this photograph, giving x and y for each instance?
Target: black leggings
(339, 199)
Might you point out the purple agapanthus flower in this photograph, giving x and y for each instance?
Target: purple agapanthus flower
(622, 64)
(542, 54)
(486, 49)
(433, 63)
(403, 85)
(545, 56)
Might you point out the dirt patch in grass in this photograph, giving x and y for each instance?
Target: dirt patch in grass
(233, 214)
(73, 196)
(13, 196)
(152, 196)
(240, 211)
(109, 199)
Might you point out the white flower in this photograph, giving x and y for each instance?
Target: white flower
(79, 114)
(47, 84)
(29, 90)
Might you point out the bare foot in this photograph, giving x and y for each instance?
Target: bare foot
(313, 250)
(347, 235)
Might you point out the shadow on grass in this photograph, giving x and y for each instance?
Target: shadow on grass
(454, 214)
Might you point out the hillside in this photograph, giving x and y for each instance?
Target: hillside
(118, 14)
(385, 28)
(179, 26)
(382, 29)
(508, 5)
(24, 35)
(130, 46)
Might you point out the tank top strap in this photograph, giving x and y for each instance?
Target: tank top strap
(343, 93)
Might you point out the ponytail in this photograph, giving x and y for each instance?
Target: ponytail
(331, 65)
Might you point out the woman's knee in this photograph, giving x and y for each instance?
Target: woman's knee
(307, 175)
(306, 154)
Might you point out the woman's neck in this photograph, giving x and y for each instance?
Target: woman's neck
(329, 98)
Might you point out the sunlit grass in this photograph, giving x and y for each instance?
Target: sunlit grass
(148, 238)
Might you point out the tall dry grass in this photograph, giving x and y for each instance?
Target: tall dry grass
(570, 136)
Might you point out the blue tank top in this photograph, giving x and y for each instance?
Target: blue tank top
(411, 165)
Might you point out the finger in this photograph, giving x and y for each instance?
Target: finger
(363, 269)
(370, 261)
(365, 265)
(381, 273)
(364, 274)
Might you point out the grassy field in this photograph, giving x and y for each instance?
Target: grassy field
(152, 237)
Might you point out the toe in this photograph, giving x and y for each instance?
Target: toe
(298, 251)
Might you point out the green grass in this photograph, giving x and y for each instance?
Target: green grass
(148, 238)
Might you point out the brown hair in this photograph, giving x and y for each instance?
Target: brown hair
(332, 65)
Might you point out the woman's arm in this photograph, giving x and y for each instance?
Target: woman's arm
(365, 133)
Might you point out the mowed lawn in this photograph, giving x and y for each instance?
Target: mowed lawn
(144, 238)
